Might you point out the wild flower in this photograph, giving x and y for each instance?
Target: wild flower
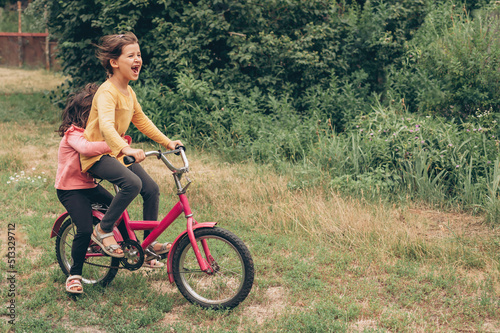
(23, 179)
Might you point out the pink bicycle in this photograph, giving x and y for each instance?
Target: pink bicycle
(211, 266)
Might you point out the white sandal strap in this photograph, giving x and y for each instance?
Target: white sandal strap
(74, 277)
(113, 247)
(106, 235)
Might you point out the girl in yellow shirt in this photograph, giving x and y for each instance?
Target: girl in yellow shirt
(113, 108)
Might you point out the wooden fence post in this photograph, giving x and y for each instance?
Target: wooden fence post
(47, 44)
(19, 38)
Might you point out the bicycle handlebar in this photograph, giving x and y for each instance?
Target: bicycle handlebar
(179, 150)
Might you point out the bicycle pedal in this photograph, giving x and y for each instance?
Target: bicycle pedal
(150, 255)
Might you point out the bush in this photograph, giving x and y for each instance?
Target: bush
(302, 50)
(452, 65)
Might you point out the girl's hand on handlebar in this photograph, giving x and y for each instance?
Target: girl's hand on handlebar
(138, 154)
(174, 144)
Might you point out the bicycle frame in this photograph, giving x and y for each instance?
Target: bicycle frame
(158, 227)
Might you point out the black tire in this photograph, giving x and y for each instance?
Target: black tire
(91, 274)
(232, 280)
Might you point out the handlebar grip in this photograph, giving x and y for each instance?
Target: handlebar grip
(129, 159)
(179, 147)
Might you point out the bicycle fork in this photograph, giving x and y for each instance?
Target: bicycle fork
(204, 264)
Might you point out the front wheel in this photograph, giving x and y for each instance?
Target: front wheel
(232, 274)
(95, 269)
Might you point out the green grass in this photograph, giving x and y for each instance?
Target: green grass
(35, 107)
(323, 263)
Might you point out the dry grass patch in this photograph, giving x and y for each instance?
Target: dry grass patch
(15, 80)
(437, 224)
(272, 307)
(24, 140)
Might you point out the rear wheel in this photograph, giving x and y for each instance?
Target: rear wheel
(92, 271)
(232, 274)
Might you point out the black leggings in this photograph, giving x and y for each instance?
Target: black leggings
(131, 180)
(78, 204)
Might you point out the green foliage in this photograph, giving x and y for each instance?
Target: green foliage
(286, 49)
(300, 51)
(452, 65)
(30, 22)
(424, 157)
(382, 153)
(288, 81)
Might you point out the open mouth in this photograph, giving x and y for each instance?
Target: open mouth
(136, 69)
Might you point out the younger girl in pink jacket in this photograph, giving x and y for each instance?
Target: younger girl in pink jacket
(76, 189)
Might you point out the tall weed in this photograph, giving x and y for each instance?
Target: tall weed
(422, 157)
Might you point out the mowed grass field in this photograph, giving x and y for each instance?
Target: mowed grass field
(324, 263)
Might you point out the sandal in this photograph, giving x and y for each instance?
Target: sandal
(165, 248)
(110, 249)
(153, 264)
(74, 281)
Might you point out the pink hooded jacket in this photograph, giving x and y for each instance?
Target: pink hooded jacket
(69, 172)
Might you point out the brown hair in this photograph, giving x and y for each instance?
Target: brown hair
(111, 47)
(78, 108)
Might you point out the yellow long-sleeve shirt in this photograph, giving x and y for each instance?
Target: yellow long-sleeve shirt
(109, 119)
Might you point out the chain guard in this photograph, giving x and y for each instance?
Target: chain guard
(134, 255)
